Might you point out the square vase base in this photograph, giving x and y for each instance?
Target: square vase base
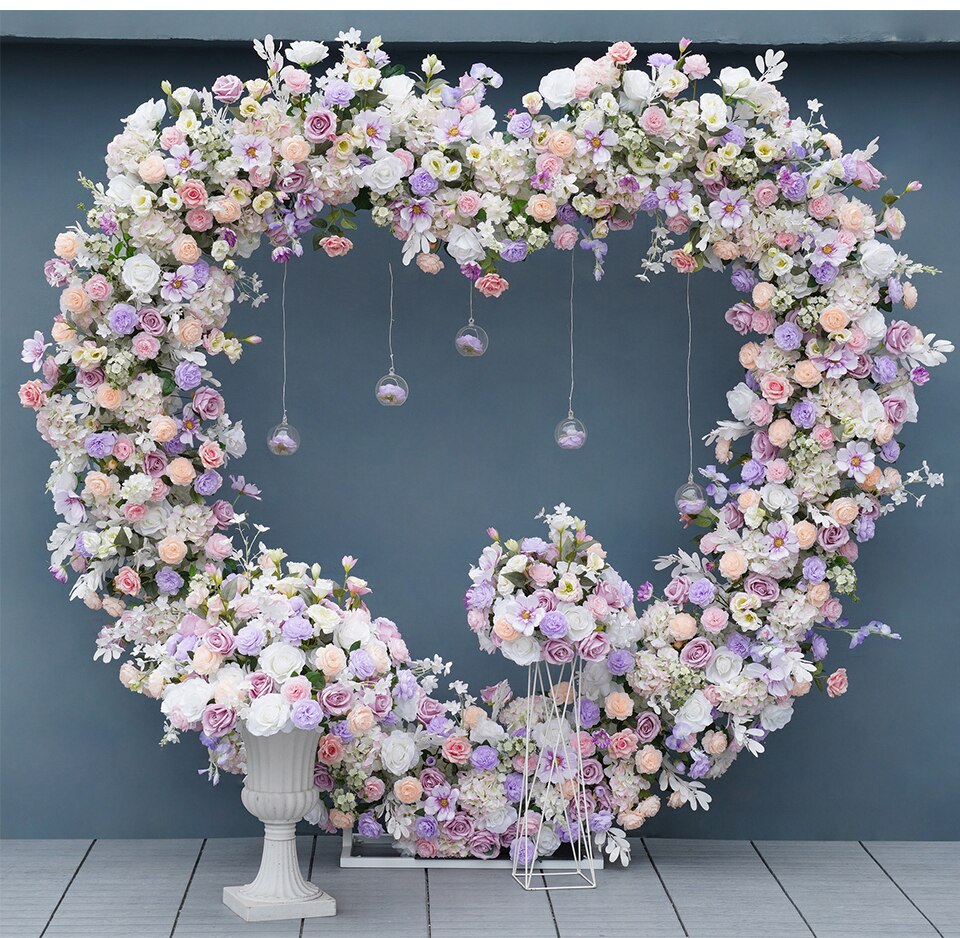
(253, 910)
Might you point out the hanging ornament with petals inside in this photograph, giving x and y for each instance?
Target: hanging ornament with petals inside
(471, 341)
(690, 498)
(392, 390)
(570, 432)
(283, 439)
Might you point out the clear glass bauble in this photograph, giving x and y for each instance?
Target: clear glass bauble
(570, 433)
(471, 341)
(690, 499)
(283, 439)
(392, 390)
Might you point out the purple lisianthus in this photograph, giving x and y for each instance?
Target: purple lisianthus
(803, 414)
(792, 184)
(619, 662)
(884, 369)
(362, 664)
(644, 591)
(743, 280)
(523, 851)
(122, 319)
(752, 471)
(824, 273)
(187, 375)
(660, 60)
(208, 482)
(513, 251)
(589, 713)
(739, 643)
(865, 529)
(250, 640)
(306, 714)
(338, 93)
(296, 629)
(169, 581)
(100, 445)
(788, 336)
(481, 596)
(554, 625)
(422, 183)
(520, 125)
(702, 592)
(814, 569)
(819, 648)
(369, 826)
(700, 767)
(426, 828)
(513, 787)
(890, 451)
(484, 757)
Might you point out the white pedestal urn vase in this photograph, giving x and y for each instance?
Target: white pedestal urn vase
(279, 790)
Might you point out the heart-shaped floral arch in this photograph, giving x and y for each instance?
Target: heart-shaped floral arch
(226, 633)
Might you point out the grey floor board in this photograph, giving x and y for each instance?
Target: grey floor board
(929, 873)
(722, 889)
(230, 862)
(33, 877)
(628, 901)
(126, 888)
(370, 903)
(461, 900)
(841, 892)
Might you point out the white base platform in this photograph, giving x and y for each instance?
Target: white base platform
(258, 910)
(378, 853)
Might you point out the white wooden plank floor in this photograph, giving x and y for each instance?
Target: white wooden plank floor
(714, 889)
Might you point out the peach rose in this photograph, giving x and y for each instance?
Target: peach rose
(800, 688)
(162, 429)
(834, 319)
(472, 717)
(340, 819)
(884, 433)
(630, 820)
(294, 149)
(407, 789)
(129, 674)
(226, 209)
(781, 431)
(715, 742)
(109, 397)
(818, 594)
(844, 510)
(331, 660)
(504, 630)
(806, 374)
(873, 478)
(456, 749)
(98, 485)
(733, 564)
(763, 294)
(492, 285)
(181, 471)
(75, 300)
(172, 550)
(648, 760)
(151, 169)
(650, 806)
(330, 752)
(360, 720)
(682, 262)
(211, 455)
(336, 246)
(541, 207)
(127, 581)
(806, 533)
(205, 661)
(66, 245)
(62, 332)
(618, 705)
(748, 499)
(429, 263)
(562, 143)
(909, 295)
(682, 627)
(726, 250)
(190, 331)
(186, 250)
(833, 144)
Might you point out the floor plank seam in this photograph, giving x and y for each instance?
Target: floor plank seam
(783, 889)
(426, 891)
(66, 888)
(313, 853)
(553, 914)
(186, 890)
(663, 885)
(900, 888)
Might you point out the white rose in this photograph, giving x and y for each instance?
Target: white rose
(580, 623)
(353, 628)
(637, 85)
(695, 713)
(141, 274)
(484, 121)
(740, 400)
(498, 820)
(323, 617)
(732, 80)
(268, 715)
(282, 661)
(121, 189)
(147, 116)
(363, 79)
(398, 752)
(547, 841)
(523, 650)
(871, 411)
(397, 88)
(776, 716)
(558, 88)
(724, 667)
(516, 564)
(778, 497)
(595, 681)
(713, 112)
(383, 173)
(306, 52)
(877, 260)
(874, 325)
(188, 698)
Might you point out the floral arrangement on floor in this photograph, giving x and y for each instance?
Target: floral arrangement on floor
(225, 633)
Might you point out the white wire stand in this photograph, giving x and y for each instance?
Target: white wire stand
(377, 853)
(580, 870)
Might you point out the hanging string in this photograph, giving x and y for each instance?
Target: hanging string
(470, 291)
(390, 331)
(572, 277)
(689, 349)
(283, 327)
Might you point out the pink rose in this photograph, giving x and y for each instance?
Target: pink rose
(775, 388)
(210, 454)
(218, 547)
(468, 204)
(320, 125)
(820, 207)
(32, 395)
(127, 581)
(777, 471)
(98, 288)
(683, 263)
(765, 194)
(218, 720)
(565, 237)
(492, 285)
(714, 619)
(296, 688)
(336, 246)
(622, 53)
(228, 89)
(194, 193)
(260, 684)
(622, 744)
(199, 219)
(456, 749)
(296, 80)
(654, 121)
(171, 137)
(837, 683)
(134, 512)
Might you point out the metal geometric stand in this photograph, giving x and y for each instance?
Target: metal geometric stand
(547, 681)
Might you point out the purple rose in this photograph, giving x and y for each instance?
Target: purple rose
(558, 651)
(223, 512)
(152, 322)
(697, 653)
(208, 482)
(368, 825)
(513, 251)
(763, 587)
(319, 125)
(890, 451)
(261, 684)
(648, 726)
(484, 845)
(228, 89)
(218, 720)
(336, 700)
(819, 648)
(895, 409)
(732, 516)
(677, 590)
(154, 463)
(306, 714)
(520, 125)
(592, 771)
(740, 317)
(832, 537)
(762, 450)
(122, 319)
(459, 827)
(220, 640)
(595, 647)
(743, 280)
(90, 377)
(208, 403)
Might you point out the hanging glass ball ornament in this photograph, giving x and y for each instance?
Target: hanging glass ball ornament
(471, 341)
(570, 433)
(392, 390)
(690, 499)
(283, 439)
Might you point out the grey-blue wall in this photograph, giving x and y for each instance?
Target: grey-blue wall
(411, 491)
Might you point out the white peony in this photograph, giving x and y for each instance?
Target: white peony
(733, 80)
(637, 85)
(877, 260)
(523, 650)
(323, 617)
(383, 173)
(187, 698)
(548, 841)
(268, 715)
(694, 715)
(353, 628)
(120, 190)
(464, 245)
(282, 661)
(147, 116)
(397, 88)
(776, 716)
(498, 820)
(780, 498)
(558, 88)
(724, 667)
(306, 52)
(141, 274)
(740, 400)
(398, 752)
(713, 112)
